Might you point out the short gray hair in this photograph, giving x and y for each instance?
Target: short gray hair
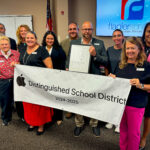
(4, 38)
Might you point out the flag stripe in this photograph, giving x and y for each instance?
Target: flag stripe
(49, 26)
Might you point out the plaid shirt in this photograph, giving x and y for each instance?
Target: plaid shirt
(6, 71)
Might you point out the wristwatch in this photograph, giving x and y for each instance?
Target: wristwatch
(142, 86)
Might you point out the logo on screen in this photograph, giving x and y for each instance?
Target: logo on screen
(134, 9)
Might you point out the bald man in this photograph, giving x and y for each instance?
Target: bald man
(98, 57)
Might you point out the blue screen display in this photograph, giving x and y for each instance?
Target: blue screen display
(128, 15)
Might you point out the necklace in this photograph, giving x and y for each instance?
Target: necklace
(29, 55)
(25, 62)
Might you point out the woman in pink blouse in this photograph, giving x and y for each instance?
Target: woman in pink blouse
(8, 58)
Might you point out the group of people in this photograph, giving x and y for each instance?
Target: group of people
(127, 58)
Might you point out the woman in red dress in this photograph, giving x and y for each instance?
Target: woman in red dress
(35, 55)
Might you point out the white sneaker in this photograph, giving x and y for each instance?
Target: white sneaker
(109, 126)
(117, 129)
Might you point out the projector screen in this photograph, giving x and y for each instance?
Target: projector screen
(128, 15)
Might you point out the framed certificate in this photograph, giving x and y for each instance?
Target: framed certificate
(79, 58)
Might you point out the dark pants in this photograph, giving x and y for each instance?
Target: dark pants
(58, 114)
(6, 98)
(147, 110)
(19, 109)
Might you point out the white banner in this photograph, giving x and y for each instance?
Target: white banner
(95, 96)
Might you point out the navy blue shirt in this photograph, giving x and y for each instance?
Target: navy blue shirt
(137, 97)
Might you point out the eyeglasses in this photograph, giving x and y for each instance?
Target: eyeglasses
(87, 29)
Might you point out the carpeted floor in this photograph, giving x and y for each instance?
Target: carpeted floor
(16, 137)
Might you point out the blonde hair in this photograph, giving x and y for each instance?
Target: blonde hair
(18, 32)
(4, 38)
(141, 56)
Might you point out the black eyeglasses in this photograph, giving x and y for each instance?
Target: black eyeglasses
(87, 29)
(70, 29)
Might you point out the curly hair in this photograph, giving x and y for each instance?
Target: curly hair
(18, 32)
(141, 56)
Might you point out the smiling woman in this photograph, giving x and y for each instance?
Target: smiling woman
(133, 65)
(35, 55)
(133, 52)
(21, 45)
(113, 54)
(58, 57)
(21, 33)
(4, 45)
(8, 58)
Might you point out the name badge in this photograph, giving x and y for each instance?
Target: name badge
(140, 69)
(96, 44)
(34, 53)
(1, 60)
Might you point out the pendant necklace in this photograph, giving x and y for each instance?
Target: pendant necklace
(25, 62)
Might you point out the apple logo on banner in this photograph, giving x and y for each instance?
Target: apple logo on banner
(20, 80)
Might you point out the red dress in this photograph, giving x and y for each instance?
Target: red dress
(35, 115)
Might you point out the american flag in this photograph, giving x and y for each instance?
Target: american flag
(49, 26)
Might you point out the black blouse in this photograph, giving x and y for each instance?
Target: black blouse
(35, 58)
(137, 97)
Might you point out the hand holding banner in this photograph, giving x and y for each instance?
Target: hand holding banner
(95, 96)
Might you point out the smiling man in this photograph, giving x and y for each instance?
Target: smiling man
(98, 57)
(73, 31)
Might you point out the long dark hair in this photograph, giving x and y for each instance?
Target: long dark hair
(143, 36)
(56, 44)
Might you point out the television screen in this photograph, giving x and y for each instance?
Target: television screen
(128, 15)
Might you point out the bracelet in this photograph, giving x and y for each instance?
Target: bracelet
(142, 86)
